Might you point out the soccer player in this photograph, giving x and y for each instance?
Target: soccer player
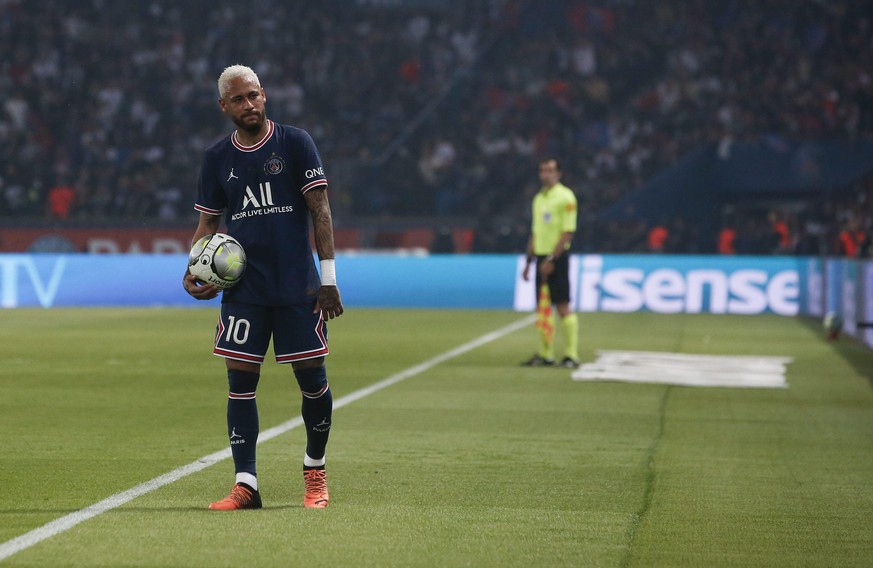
(268, 180)
(552, 228)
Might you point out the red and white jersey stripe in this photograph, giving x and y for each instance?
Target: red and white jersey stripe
(257, 145)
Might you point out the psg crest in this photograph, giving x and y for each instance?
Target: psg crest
(275, 165)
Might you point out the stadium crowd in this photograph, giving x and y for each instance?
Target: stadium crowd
(436, 112)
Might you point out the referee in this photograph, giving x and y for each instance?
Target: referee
(552, 228)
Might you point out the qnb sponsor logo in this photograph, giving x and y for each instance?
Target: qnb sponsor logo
(314, 172)
(667, 290)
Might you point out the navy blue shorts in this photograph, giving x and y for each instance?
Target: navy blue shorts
(244, 332)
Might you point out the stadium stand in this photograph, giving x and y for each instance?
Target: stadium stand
(431, 115)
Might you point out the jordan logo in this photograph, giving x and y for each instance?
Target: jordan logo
(231, 176)
(233, 433)
(322, 426)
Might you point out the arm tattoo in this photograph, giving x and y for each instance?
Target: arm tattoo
(322, 223)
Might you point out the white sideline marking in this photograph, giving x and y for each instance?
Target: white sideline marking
(67, 522)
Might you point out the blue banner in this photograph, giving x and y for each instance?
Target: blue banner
(78, 280)
(624, 283)
(72, 280)
(786, 286)
(682, 284)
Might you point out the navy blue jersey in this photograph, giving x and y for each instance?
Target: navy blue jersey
(259, 189)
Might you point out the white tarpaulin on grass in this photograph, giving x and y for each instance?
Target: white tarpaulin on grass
(685, 370)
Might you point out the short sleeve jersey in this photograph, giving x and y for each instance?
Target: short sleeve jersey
(554, 213)
(259, 189)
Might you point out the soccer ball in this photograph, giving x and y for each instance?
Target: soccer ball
(217, 259)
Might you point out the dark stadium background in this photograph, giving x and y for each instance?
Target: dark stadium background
(431, 115)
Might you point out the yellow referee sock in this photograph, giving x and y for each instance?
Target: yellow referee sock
(571, 334)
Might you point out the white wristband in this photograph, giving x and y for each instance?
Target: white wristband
(328, 272)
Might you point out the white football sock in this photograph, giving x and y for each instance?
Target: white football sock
(309, 462)
(248, 479)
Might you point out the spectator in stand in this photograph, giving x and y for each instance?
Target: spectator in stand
(656, 239)
(623, 89)
(784, 240)
(852, 238)
(727, 236)
(61, 198)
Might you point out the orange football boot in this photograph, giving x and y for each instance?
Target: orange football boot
(241, 497)
(316, 489)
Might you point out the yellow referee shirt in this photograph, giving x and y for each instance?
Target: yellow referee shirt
(554, 213)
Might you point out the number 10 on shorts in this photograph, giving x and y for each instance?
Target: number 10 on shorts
(237, 330)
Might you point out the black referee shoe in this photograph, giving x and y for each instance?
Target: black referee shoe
(538, 361)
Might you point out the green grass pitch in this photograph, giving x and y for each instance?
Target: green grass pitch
(473, 461)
